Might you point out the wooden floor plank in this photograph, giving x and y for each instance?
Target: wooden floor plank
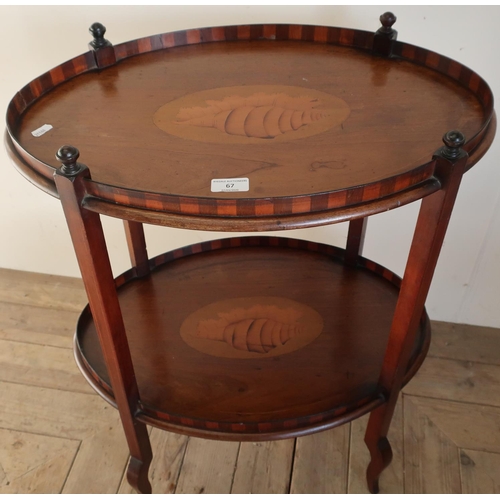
(42, 366)
(168, 455)
(431, 458)
(465, 342)
(480, 472)
(208, 467)
(100, 461)
(467, 425)
(52, 412)
(320, 465)
(457, 381)
(391, 480)
(264, 468)
(48, 478)
(37, 325)
(30, 463)
(42, 290)
(22, 452)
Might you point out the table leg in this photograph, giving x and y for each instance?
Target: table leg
(90, 247)
(136, 242)
(430, 230)
(355, 240)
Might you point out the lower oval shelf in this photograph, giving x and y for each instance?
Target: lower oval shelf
(253, 338)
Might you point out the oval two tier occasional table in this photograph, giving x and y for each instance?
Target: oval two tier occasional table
(252, 128)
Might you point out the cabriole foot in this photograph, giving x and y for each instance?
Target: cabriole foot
(137, 475)
(381, 456)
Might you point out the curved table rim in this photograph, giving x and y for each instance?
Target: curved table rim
(249, 214)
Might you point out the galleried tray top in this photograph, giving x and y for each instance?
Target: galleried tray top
(309, 115)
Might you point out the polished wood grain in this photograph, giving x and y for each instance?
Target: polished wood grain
(298, 397)
(162, 216)
(91, 252)
(355, 240)
(183, 168)
(136, 242)
(392, 481)
(434, 215)
(312, 187)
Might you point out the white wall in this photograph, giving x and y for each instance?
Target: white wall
(466, 286)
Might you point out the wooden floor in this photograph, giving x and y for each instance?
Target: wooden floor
(56, 435)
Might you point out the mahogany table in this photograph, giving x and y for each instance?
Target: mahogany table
(252, 128)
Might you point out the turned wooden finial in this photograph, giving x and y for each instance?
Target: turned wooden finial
(385, 36)
(387, 19)
(453, 141)
(97, 30)
(68, 156)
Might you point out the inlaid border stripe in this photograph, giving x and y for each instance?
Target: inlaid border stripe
(318, 34)
(450, 68)
(244, 32)
(248, 207)
(261, 427)
(306, 33)
(43, 84)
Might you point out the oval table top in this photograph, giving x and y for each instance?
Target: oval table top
(312, 122)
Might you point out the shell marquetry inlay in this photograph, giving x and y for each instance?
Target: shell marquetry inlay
(253, 113)
(251, 327)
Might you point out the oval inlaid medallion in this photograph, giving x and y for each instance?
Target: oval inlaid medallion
(252, 114)
(251, 327)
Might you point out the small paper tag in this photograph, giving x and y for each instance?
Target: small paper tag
(41, 130)
(230, 185)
